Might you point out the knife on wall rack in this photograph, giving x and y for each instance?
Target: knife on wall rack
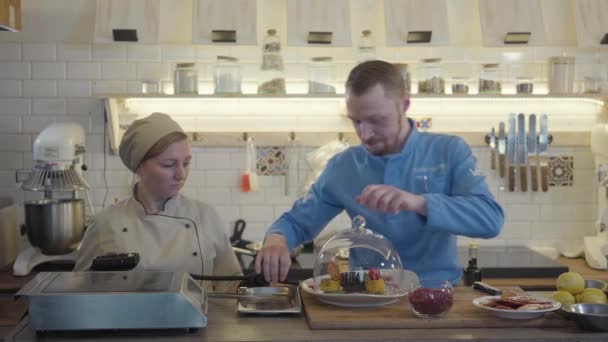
(502, 149)
(493, 149)
(522, 152)
(543, 141)
(532, 158)
(511, 153)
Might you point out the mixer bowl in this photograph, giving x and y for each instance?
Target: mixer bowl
(55, 226)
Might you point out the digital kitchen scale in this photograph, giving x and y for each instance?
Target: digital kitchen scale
(114, 300)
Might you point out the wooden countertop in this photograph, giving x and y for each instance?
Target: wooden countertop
(576, 265)
(224, 324)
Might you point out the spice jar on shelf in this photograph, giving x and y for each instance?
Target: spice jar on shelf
(407, 81)
(272, 77)
(367, 47)
(460, 85)
(185, 80)
(321, 72)
(561, 75)
(227, 76)
(490, 79)
(430, 80)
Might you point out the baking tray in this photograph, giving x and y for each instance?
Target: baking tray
(286, 301)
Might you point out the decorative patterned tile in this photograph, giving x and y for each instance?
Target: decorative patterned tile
(424, 124)
(271, 161)
(561, 171)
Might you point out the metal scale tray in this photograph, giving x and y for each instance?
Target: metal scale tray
(114, 300)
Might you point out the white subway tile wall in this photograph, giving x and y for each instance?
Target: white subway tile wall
(45, 83)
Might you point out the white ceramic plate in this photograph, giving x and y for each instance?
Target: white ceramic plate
(393, 293)
(516, 314)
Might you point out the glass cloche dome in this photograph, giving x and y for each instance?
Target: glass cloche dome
(360, 261)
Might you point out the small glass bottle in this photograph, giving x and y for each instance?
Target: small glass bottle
(185, 79)
(272, 78)
(227, 76)
(321, 75)
(489, 79)
(407, 81)
(472, 273)
(430, 80)
(367, 47)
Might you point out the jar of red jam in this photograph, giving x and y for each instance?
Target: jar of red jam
(434, 298)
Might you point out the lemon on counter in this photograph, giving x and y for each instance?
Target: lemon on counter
(566, 298)
(593, 296)
(571, 282)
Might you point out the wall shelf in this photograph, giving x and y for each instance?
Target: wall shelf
(220, 120)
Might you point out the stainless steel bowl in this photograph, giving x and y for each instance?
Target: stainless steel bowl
(589, 316)
(55, 226)
(596, 283)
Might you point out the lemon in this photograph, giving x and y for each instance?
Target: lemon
(566, 298)
(596, 296)
(571, 282)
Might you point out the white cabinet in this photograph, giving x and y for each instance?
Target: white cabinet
(591, 21)
(405, 16)
(305, 16)
(10, 15)
(224, 15)
(140, 15)
(499, 17)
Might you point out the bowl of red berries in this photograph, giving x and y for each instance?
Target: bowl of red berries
(433, 298)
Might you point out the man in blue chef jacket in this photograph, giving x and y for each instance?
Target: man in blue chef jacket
(420, 190)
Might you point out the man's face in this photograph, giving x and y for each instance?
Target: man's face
(377, 119)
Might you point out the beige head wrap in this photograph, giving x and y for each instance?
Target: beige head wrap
(142, 135)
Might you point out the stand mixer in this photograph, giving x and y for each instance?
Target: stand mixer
(596, 247)
(54, 225)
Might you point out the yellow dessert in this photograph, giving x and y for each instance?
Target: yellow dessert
(330, 285)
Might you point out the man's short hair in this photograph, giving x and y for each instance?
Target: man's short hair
(367, 74)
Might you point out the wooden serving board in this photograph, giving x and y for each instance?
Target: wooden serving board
(399, 316)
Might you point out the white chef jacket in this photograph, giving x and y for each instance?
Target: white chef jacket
(165, 241)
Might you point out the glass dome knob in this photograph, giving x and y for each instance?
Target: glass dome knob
(359, 222)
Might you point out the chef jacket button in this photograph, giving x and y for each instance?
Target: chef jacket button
(187, 225)
(124, 229)
(194, 253)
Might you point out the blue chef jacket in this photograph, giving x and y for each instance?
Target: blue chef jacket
(439, 167)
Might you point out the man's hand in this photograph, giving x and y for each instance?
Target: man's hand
(386, 198)
(273, 259)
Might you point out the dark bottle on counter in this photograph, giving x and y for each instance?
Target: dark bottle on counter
(472, 273)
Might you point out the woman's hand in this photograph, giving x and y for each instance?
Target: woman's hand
(273, 258)
(389, 199)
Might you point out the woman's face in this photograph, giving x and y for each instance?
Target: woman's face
(164, 175)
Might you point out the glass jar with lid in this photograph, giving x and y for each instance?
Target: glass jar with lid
(430, 80)
(185, 80)
(227, 75)
(405, 73)
(460, 85)
(321, 72)
(367, 47)
(272, 77)
(490, 79)
(561, 75)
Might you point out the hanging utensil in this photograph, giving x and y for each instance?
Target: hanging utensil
(245, 177)
(522, 153)
(253, 158)
(532, 157)
(511, 153)
(502, 147)
(237, 232)
(493, 149)
(543, 141)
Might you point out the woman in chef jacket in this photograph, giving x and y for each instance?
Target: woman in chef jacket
(168, 230)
